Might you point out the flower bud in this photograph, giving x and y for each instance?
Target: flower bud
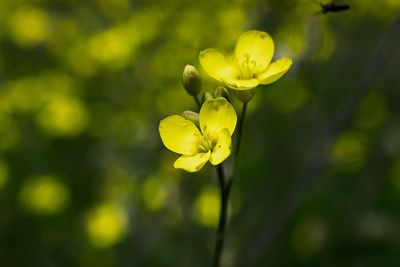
(191, 80)
(222, 92)
(206, 96)
(192, 116)
(245, 95)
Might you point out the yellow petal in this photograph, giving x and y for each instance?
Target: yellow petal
(192, 163)
(222, 149)
(180, 135)
(215, 64)
(215, 115)
(255, 46)
(275, 70)
(238, 84)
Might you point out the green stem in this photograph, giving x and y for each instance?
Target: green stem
(225, 188)
(240, 129)
(196, 99)
(223, 214)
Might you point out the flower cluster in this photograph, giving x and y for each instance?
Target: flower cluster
(202, 137)
(207, 135)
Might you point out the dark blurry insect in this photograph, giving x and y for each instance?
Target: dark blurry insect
(332, 7)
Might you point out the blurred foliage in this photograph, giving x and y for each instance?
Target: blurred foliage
(85, 181)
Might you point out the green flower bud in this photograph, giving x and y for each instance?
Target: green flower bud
(206, 96)
(222, 92)
(192, 116)
(245, 95)
(191, 80)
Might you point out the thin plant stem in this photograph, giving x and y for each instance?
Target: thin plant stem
(240, 129)
(196, 99)
(225, 188)
(223, 214)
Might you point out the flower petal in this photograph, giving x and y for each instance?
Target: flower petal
(222, 149)
(275, 70)
(215, 64)
(255, 46)
(192, 163)
(215, 115)
(238, 84)
(180, 135)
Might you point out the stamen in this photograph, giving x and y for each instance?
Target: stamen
(203, 145)
(248, 68)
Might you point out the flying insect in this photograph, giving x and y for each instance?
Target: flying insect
(332, 7)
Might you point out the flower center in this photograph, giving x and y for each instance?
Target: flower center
(248, 67)
(203, 145)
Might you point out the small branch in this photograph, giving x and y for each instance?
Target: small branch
(196, 99)
(240, 129)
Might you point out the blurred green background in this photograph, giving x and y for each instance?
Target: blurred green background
(85, 180)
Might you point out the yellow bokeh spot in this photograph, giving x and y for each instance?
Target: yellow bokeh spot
(115, 47)
(29, 26)
(372, 111)
(3, 174)
(394, 174)
(349, 151)
(33, 92)
(50, 96)
(288, 96)
(44, 195)
(63, 116)
(106, 225)
(111, 47)
(207, 206)
(155, 191)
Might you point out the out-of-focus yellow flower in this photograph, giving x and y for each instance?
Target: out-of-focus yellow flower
(45, 195)
(29, 26)
(106, 225)
(250, 64)
(217, 122)
(206, 208)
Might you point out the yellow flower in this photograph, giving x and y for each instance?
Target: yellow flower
(250, 64)
(212, 142)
